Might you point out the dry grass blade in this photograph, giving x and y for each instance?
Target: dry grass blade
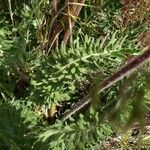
(10, 12)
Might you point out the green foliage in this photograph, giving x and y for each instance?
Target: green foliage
(99, 17)
(12, 128)
(55, 76)
(97, 50)
(77, 135)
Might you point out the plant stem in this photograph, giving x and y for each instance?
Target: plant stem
(106, 83)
